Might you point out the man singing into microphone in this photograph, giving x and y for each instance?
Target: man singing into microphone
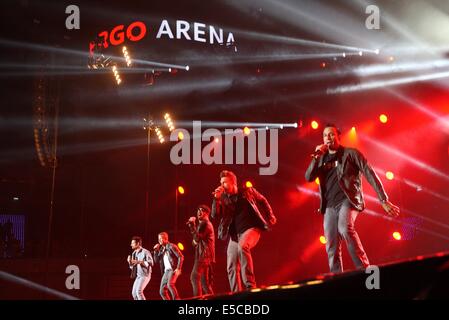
(243, 214)
(339, 170)
(140, 263)
(204, 242)
(170, 260)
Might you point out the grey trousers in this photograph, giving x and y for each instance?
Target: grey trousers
(240, 262)
(168, 286)
(339, 225)
(201, 278)
(139, 285)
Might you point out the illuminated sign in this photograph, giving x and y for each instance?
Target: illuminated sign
(117, 35)
(181, 29)
(201, 32)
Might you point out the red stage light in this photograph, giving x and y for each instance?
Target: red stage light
(181, 190)
(323, 64)
(389, 175)
(314, 125)
(249, 184)
(397, 235)
(323, 240)
(383, 118)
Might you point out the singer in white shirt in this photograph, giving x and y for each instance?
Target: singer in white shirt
(140, 262)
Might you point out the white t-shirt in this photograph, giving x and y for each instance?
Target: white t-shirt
(167, 265)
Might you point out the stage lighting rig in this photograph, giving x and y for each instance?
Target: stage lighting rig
(118, 79)
(169, 122)
(97, 60)
(150, 125)
(127, 57)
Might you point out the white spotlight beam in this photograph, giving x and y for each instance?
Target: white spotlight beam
(319, 19)
(39, 47)
(405, 156)
(251, 125)
(275, 56)
(8, 277)
(401, 29)
(208, 85)
(424, 109)
(299, 41)
(406, 49)
(161, 64)
(387, 83)
(415, 186)
(372, 70)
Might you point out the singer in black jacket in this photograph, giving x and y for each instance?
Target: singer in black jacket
(170, 259)
(243, 213)
(204, 243)
(339, 170)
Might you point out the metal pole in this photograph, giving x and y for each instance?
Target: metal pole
(176, 211)
(53, 182)
(147, 192)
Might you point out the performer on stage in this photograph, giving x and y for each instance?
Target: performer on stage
(140, 263)
(204, 242)
(243, 214)
(170, 260)
(339, 170)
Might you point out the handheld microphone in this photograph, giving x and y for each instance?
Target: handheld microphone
(215, 191)
(316, 154)
(320, 152)
(191, 221)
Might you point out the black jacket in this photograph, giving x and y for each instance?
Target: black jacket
(351, 165)
(224, 210)
(204, 237)
(175, 256)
